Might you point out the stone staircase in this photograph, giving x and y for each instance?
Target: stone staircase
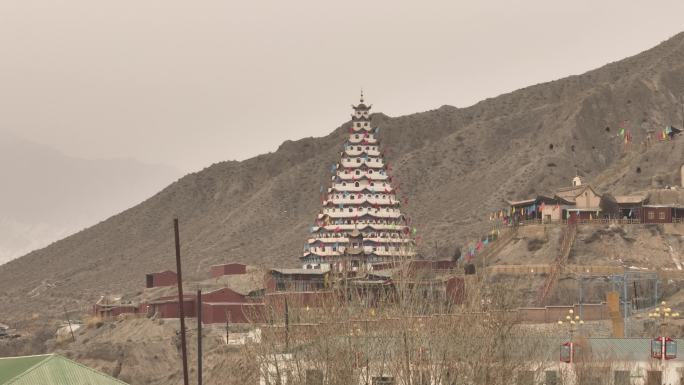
(568, 239)
(497, 246)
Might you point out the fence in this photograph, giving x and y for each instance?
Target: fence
(578, 269)
(597, 221)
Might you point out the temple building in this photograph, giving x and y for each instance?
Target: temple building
(360, 223)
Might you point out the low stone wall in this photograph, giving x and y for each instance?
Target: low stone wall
(553, 314)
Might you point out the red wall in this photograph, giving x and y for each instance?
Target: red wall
(455, 290)
(299, 299)
(170, 309)
(228, 269)
(223, 295)
(656, 214)
(239, 313)
(165, 278)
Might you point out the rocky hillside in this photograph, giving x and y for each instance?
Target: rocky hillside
(454, 164)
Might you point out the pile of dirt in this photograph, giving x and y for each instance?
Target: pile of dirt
(455, 164)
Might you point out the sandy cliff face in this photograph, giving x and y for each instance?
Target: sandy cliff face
(454, 165)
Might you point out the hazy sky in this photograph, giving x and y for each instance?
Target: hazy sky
(189, 83)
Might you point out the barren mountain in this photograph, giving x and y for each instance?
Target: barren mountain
(455, 165)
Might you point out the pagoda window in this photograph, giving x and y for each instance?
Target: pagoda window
(356, 184)
(358, 172)
(384, 196)
(356, 136)
(350, 210)
(358, 160)
(367, 148)
(386, 248)
(358, 148)
(372, 184)
(376, 196)
(370, 171)
(344, 184)
(366, 123)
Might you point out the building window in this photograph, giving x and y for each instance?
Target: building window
(350, 209)
(358, 160)
(356, 184)
(651, 215)
(370, 171)
(358, 172)
(661, 215)
(358, 148)
(365, 124)
(344, 184)
(356, 136)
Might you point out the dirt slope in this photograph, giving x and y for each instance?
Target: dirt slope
(455, 165)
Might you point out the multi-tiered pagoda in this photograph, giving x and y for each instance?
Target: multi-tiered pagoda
(360, 223)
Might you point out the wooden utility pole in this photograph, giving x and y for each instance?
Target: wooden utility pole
(199, 337)
(181, 311)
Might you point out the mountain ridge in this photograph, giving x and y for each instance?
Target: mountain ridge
(47, 195)
(454, 164)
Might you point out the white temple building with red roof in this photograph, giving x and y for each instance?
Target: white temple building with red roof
(360, 223)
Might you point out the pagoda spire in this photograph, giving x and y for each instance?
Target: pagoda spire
(361, 222)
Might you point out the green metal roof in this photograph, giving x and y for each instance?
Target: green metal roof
(50, 369)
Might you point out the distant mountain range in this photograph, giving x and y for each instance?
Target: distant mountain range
(455, 166)
(47, 195)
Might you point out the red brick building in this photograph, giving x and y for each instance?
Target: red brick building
(228, 269)
(163, 278)
(220, 312)
(663, 206)
(296, 280)
(167, 307)
(240, 306)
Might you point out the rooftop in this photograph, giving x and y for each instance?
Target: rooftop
(300, 271)
(627, 199)
(50, 369)
(667, 197)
